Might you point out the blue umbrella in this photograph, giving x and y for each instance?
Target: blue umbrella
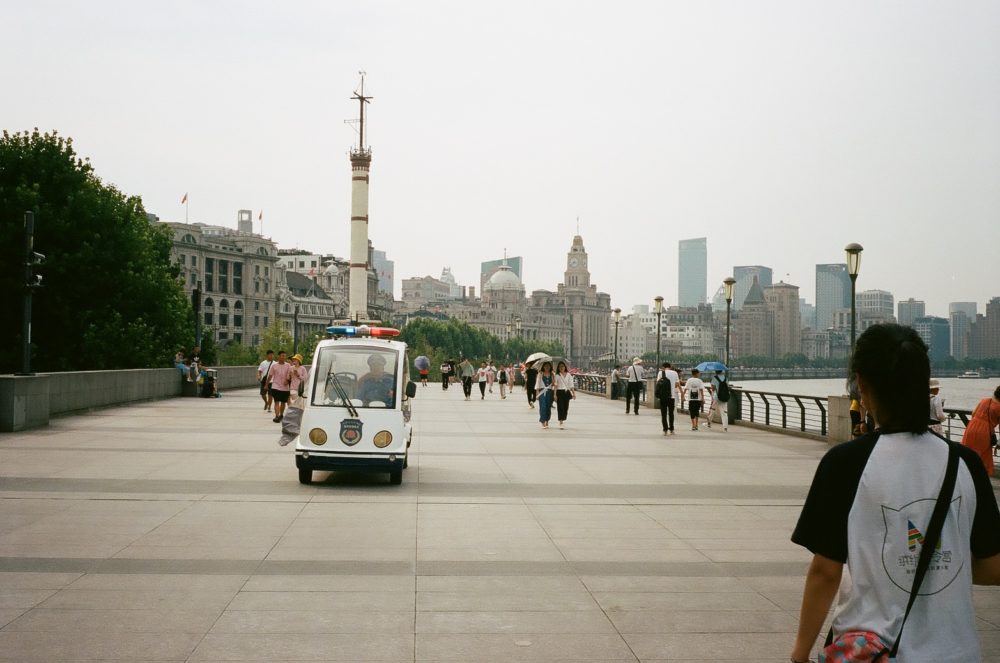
(422, 362)
(711, 366)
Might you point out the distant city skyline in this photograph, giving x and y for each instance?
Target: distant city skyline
(780, 131)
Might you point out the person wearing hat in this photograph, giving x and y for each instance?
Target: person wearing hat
(633, 378)
(377, 385)
(299, 376)
(937, 407)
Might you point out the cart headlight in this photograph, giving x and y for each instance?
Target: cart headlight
(383, 439)
(317, 436)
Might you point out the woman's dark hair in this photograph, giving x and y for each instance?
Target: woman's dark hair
(561, 364)
(996, 393)
(892, 360)
(547, 363)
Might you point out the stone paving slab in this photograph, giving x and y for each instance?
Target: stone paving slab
(125, 534)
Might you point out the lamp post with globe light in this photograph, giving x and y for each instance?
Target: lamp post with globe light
(853, 251)
(658, 302)
(617, 317)
(728, 284)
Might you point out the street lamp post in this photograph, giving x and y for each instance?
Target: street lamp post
(658, 301)
(853, 266)
(728, 284)
(295, 330)
(618, 316)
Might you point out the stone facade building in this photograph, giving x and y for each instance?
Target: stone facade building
(238, 275)
(783, 302)
(984, 332)
(753, 327)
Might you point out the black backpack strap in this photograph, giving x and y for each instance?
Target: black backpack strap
(932, 535)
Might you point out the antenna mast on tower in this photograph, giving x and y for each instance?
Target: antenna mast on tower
(359, 94)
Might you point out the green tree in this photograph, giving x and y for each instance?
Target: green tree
(440, 340)
(111, 297)
(274, 337)
(237, 354)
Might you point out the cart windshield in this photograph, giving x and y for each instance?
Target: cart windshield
(356, 376)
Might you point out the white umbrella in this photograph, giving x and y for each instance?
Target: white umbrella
(537, 356)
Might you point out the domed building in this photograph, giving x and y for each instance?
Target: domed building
(503, 290)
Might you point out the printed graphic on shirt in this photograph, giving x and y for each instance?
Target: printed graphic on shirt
(904, 539)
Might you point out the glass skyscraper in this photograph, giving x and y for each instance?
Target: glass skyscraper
(744, 278)
(692, 271)
(833, 291)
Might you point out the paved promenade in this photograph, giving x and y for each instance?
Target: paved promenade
(177, 531)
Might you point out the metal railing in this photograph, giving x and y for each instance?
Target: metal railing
(953, 427)
(592, 384)
(806, 414)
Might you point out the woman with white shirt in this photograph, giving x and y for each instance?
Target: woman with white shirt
(565, 390)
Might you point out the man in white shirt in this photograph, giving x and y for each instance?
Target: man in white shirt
(695, 389)
(262, 371)
(633, 377)
(665, 392)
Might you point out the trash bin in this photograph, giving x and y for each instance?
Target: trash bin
(209, 383)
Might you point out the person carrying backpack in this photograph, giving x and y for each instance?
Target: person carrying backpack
(720, 399)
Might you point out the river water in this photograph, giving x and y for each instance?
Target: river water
(958, 394)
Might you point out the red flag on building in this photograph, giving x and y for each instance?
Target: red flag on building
(184, 199)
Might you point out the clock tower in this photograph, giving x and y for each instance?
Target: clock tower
(577, 273)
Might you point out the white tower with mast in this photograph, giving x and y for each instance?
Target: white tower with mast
(361, 159)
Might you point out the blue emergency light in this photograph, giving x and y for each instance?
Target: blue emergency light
(361, 330)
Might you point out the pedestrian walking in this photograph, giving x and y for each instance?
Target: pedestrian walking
(616, 383)
(937, 415)
(870, 508)
(720, 399)
(695, 389)
(565, 391)
(424, 372)
(544, 387)
(491, 376)
(633, 377)
(466, 371)
(502, 376)
(980, 435)
(297, 382)
(262, 371)
(511, 382)
(279, 380)
(666, 387)
(530, 376)
(482, 376)
(445, 375)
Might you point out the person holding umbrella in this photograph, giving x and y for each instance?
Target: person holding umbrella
(423, 365)
(545, 388)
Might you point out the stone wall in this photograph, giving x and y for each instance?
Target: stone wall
(29, 401)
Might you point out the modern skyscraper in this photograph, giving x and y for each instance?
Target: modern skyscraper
(692, 271)
(960, 317)
(984, 334)
(807, 313)
(385, 269)
(878, 302)
(934, 332)
(744, 278)
(910, 310)
(833, 291)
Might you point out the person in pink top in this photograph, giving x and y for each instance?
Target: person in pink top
(299, 376)
(279, 380)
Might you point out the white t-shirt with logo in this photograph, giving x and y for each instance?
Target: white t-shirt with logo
(694, 388)
(869, 504)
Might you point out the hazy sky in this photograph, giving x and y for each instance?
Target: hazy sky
(781, 131)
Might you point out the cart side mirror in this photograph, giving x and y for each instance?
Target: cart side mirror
(411, 389)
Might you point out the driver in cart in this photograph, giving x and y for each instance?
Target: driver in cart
(377, 385)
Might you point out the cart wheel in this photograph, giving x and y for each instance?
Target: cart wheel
(305, 476)
(396, 477)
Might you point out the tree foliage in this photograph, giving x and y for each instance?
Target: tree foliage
(441, 340)
(274, 337)
(111, 298)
